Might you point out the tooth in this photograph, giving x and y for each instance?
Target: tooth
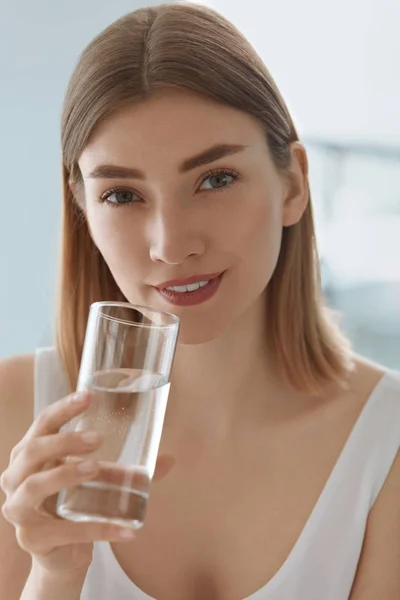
(192, 287)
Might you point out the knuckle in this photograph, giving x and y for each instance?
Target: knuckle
(43, 418)
(29, 487)
(4, 480)
(5, 511)
(26, 538)
(31, 450)
(15, 451)
(9, 512)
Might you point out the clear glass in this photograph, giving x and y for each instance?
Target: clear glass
(126, 365)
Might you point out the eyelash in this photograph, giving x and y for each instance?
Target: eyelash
(221, 171)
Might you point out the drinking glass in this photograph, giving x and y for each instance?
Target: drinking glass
(126, 365)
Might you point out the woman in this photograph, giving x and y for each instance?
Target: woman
(278, 470)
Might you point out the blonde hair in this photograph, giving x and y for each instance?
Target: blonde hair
(191, 47)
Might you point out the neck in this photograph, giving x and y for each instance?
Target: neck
(220, 382)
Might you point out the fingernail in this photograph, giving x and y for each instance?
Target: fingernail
(78, 398)
(88, 466)
(126, 534)
(91, 437)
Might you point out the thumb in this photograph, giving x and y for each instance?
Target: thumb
(165, 462)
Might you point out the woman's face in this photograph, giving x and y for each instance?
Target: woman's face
(181, 187)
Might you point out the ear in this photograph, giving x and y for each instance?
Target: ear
(297, 193)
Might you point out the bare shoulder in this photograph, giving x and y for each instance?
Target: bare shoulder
(16, 400)
(16, 416)
(364, 378)
(16, 391)
(378, 573)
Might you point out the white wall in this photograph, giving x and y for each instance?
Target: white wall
(337, 64)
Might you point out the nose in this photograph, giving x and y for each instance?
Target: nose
(173, 237)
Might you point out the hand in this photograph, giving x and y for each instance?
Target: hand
(37, 472)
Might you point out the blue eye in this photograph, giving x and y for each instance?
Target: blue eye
(121, 196)
(218, 180)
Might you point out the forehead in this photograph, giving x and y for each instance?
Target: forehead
(169, 126)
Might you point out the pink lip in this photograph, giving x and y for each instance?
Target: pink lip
(188, 280)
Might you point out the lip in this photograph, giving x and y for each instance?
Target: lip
(188, 280)
(195, 297)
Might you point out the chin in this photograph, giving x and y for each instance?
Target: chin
(199, 324)
(200, 330)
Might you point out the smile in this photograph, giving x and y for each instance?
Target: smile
(191, 287)
(190, 293)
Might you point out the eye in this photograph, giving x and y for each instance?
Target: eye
(217, 180)
(119, 196)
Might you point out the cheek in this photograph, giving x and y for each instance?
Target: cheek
(118, 240)
(257, 239)
(255, 230)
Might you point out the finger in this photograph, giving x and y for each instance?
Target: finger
(24, 506)
(165, 463)
(38, 451)
(36, 489)
(126, 478)
(58, 414)
(46, 537)
(134, 476)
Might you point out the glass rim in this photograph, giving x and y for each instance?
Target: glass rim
(140, 308)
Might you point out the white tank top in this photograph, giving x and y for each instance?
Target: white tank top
(323, 562)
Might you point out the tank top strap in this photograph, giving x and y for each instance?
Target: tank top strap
(50, 381)
(381, 431)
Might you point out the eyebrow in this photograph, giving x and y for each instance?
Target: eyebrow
(204, 158)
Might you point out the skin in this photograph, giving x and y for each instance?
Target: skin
(231, 424)
(227, 516)
(178, 225)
